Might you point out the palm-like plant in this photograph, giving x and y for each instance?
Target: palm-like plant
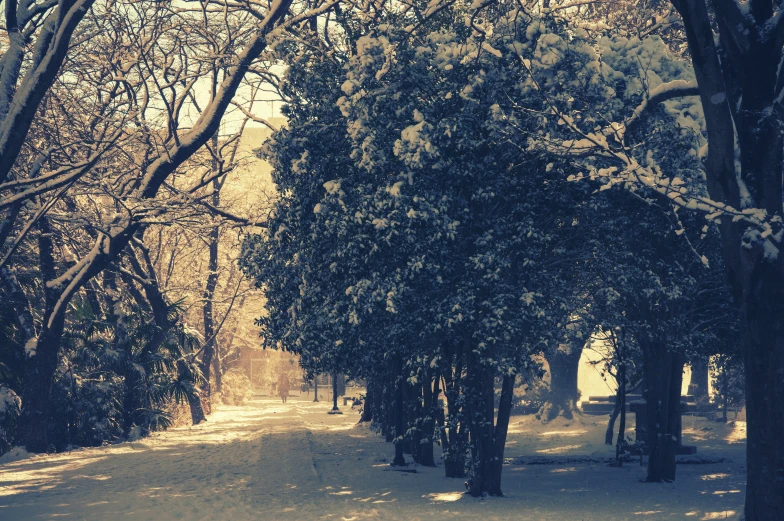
(121, 374)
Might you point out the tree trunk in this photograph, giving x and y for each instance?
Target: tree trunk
(41, 360)
(621, 405)
(129, 401)
(608, 434)
(500, 432)
(564, 362)
(699, 380)
(390, 388)
(479, 402)
(454, 432)
(763, 322)
(33, 426)
(429, 397)
(756, 278)
(368, 412)
(399, 414)
(378, 400)
(663, 378)
(413, 408)
(208, 350)
(217, 367)
(194, 402)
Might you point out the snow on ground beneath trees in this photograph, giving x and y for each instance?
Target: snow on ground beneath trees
(269, 460)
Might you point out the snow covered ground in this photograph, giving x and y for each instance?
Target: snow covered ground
(273, 461)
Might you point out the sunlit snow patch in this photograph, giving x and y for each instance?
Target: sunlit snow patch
(558, 450)
(444, 497)
(718, 515)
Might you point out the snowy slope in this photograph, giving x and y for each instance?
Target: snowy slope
(270, 461)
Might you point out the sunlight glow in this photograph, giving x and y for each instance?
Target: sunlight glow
(717, 515)
(23, 476)
(558, 450)
(565, 433)
(444, 497)
(711, 477)
(738, 434)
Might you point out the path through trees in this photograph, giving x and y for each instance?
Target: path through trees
(290, 462)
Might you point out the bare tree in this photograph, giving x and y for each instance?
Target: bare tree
(180, 55)
(37, 38)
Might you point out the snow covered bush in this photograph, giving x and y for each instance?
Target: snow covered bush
(117, 376)
(87, 409)
(235, 388)
(530, 396)
(10, 406)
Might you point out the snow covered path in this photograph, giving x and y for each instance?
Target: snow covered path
(270, 461)
(211, 471)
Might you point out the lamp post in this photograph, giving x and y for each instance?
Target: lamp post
(315, 388)
(335, 409)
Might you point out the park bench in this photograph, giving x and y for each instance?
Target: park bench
(641, 421)
(604, 405)
(635, 404)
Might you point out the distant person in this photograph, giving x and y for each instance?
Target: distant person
(283, 386)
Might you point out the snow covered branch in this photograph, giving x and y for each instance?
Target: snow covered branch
(210, 118)
(254, 118)
(660, 94)
(50, 49)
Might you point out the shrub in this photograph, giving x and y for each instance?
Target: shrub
(235, 388)
(10, 406)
